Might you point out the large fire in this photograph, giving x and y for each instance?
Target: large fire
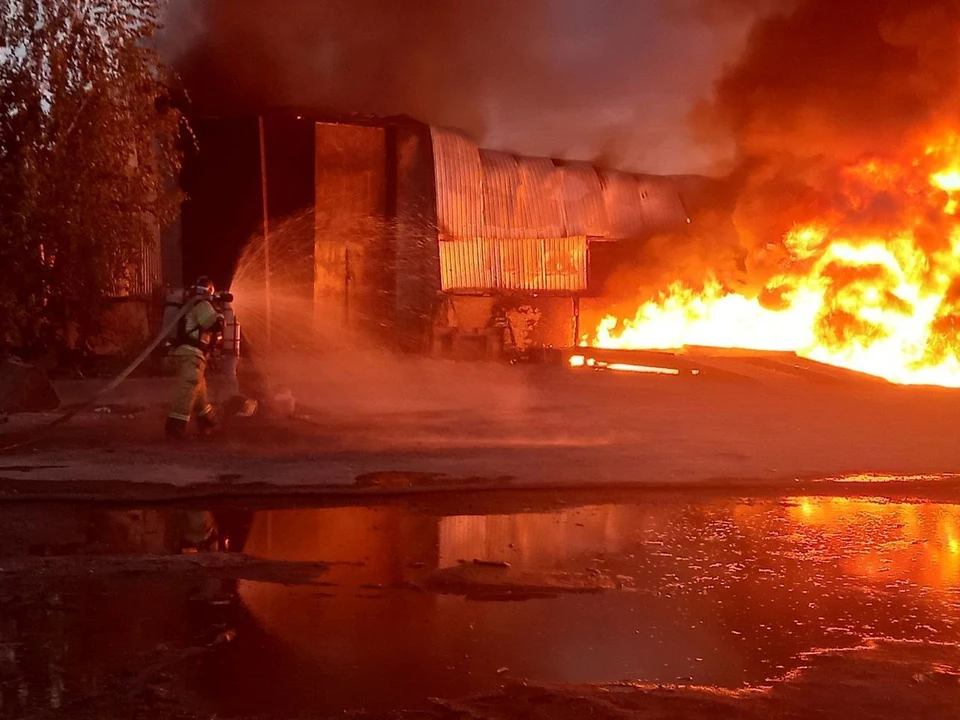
(872, 284)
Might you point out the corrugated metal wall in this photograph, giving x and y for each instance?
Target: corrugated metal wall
(151, 267)
(514, 264)
(143, 278)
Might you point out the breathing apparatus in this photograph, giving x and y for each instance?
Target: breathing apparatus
(201, 291)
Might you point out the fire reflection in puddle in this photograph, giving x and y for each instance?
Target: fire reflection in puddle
(722, 593)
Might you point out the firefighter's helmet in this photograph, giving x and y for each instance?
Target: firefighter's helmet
(204, 286)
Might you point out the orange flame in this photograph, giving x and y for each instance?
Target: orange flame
(873, 298)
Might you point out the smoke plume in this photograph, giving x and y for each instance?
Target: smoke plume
(818, 86)
(606, 80)
(824, 91)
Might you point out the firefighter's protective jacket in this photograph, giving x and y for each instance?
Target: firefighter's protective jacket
(196, 336)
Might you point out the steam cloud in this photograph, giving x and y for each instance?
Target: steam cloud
(604, 80)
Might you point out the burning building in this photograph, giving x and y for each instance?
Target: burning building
(521, 240)
(417, 237)
(413, 233)
(841, 245)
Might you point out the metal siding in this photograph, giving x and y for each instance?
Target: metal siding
(141, 278)
(150, 277)
(466, 264)
(567, 262)
(459, 187)
(531, 264)
(582, 195)
(514, 264)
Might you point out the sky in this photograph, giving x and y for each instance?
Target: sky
(609, 81)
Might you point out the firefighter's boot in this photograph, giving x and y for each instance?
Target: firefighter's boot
(207, 423)
(175, 429)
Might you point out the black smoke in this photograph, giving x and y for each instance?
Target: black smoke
(606, 80)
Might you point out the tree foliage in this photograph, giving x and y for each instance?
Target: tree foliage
(88, 160)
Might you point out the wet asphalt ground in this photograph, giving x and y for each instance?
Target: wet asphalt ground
(239, 611)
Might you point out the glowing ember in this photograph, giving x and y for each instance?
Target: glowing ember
(578, 361)
(865, 294)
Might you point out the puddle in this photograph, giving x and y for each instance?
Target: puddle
(721, 593)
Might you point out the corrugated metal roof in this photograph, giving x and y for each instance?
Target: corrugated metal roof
(621, 198)
(529, 264)
(521, 197)
(459, 187)
(489, 194)
(660, 200)
(502, 209)
(541, 198)
(583, 208)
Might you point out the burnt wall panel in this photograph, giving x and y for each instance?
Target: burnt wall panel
(352, 285)
(417, 252)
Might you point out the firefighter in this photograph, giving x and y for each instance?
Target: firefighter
(198, 333)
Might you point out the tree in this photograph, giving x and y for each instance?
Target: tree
(89, 154)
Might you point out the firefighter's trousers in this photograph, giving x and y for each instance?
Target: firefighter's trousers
(190, 388)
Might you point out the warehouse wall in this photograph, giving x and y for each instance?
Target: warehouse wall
(352, 246)
(417, 257)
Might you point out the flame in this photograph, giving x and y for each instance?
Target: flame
(870, 296)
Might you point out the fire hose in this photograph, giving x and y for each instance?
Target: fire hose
(112, 385)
